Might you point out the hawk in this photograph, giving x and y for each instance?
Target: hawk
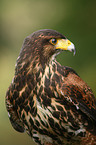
(49, 101)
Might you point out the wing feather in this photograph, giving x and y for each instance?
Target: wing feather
(78, 93)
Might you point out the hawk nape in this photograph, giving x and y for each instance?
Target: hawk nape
(49, 101)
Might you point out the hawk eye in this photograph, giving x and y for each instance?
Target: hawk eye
(53, 41)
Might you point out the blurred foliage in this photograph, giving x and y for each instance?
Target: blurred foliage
(19, 18)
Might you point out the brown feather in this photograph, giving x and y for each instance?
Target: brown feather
(49, 101)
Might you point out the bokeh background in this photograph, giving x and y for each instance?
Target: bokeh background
(76, 19)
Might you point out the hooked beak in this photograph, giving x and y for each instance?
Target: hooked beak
(65, 44)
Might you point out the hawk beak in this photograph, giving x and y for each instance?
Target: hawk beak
(65, 44)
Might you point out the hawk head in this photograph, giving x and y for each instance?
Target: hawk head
(45, 45)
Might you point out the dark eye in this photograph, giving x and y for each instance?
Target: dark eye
(53, 41)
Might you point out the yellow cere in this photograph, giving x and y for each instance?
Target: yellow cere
(63, 44)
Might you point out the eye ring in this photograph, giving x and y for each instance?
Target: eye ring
(53, 41)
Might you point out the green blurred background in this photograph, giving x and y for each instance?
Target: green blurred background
(76, 19)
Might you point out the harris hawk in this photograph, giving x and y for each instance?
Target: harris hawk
(49, 101)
